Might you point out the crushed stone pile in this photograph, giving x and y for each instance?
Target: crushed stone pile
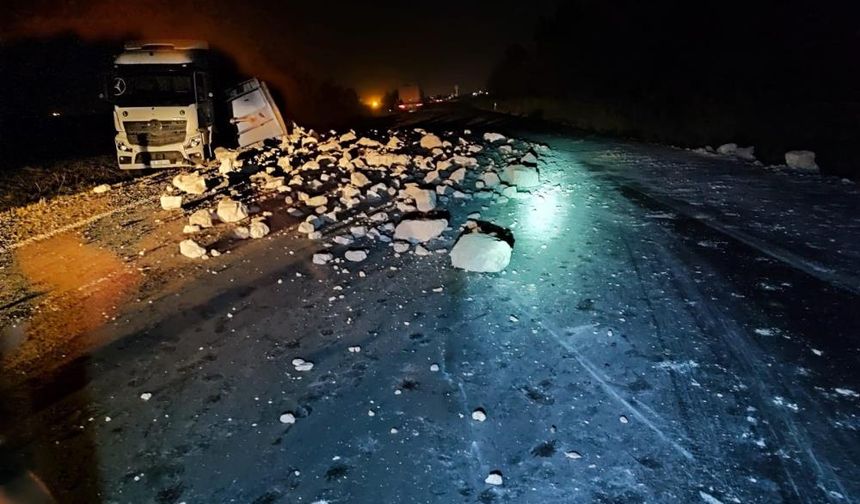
(352, 191)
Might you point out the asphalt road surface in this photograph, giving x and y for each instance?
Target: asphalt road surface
(671, 328)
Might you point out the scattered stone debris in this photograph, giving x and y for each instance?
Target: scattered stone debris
(146, 396)
(101, 189)
(287, 418)
(349, 192)
(575, 455)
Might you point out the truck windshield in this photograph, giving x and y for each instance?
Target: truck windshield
(138, 90)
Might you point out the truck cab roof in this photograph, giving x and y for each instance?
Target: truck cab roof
(160, 52)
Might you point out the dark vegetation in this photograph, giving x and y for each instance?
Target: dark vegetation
(779, 75)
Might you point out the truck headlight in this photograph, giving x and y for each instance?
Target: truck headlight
(122, 147)
(194, 142)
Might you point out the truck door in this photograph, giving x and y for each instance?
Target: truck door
(254, 113)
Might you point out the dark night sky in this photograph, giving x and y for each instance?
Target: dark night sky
(371, 46)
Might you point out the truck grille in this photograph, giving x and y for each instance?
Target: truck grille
(154, 132)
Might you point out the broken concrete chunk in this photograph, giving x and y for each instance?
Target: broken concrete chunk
(355, 255)
(191, 183)
(322, 258)
(359, 179)
(521, 176)
(458, 175)
(529, 159)
(494, 478)
(258, 229)
(302, 365)
(307, 227)
(425, 199)
(481, 253)
(494, 137)
(432, 177)
(171, 202)
(728, 149)
(400, 247)
(317, 201)
(201, 218)
(745, 153)
(465, 161)
(801, 160)
(430, 141)
(241, 233)
(190, 249)
(419, 230)
(490, 179)
(190, 229)
(230, 210)
(101, 189)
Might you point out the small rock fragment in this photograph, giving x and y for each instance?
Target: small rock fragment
(494, 478)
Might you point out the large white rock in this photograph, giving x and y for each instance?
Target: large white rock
(190, 248)
(169, 202)
(101, 189)
(258, 229)
(494, 137)
(481, 252)
(191, 183)
(425, 199)
(201, 218)
(419, 230)
(801, 160)
(430, 141)
(230, 210)
(521, 176)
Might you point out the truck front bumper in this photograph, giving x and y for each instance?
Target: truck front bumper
(139, 157)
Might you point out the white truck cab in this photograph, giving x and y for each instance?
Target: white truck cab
(163, 104)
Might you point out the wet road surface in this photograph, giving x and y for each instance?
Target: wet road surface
(647, 343)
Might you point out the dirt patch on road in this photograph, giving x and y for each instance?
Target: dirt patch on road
(83, 287)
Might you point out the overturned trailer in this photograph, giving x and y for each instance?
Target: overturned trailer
(167, 110)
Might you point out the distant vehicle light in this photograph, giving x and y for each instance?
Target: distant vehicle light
(375, 104)
(55, 114)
